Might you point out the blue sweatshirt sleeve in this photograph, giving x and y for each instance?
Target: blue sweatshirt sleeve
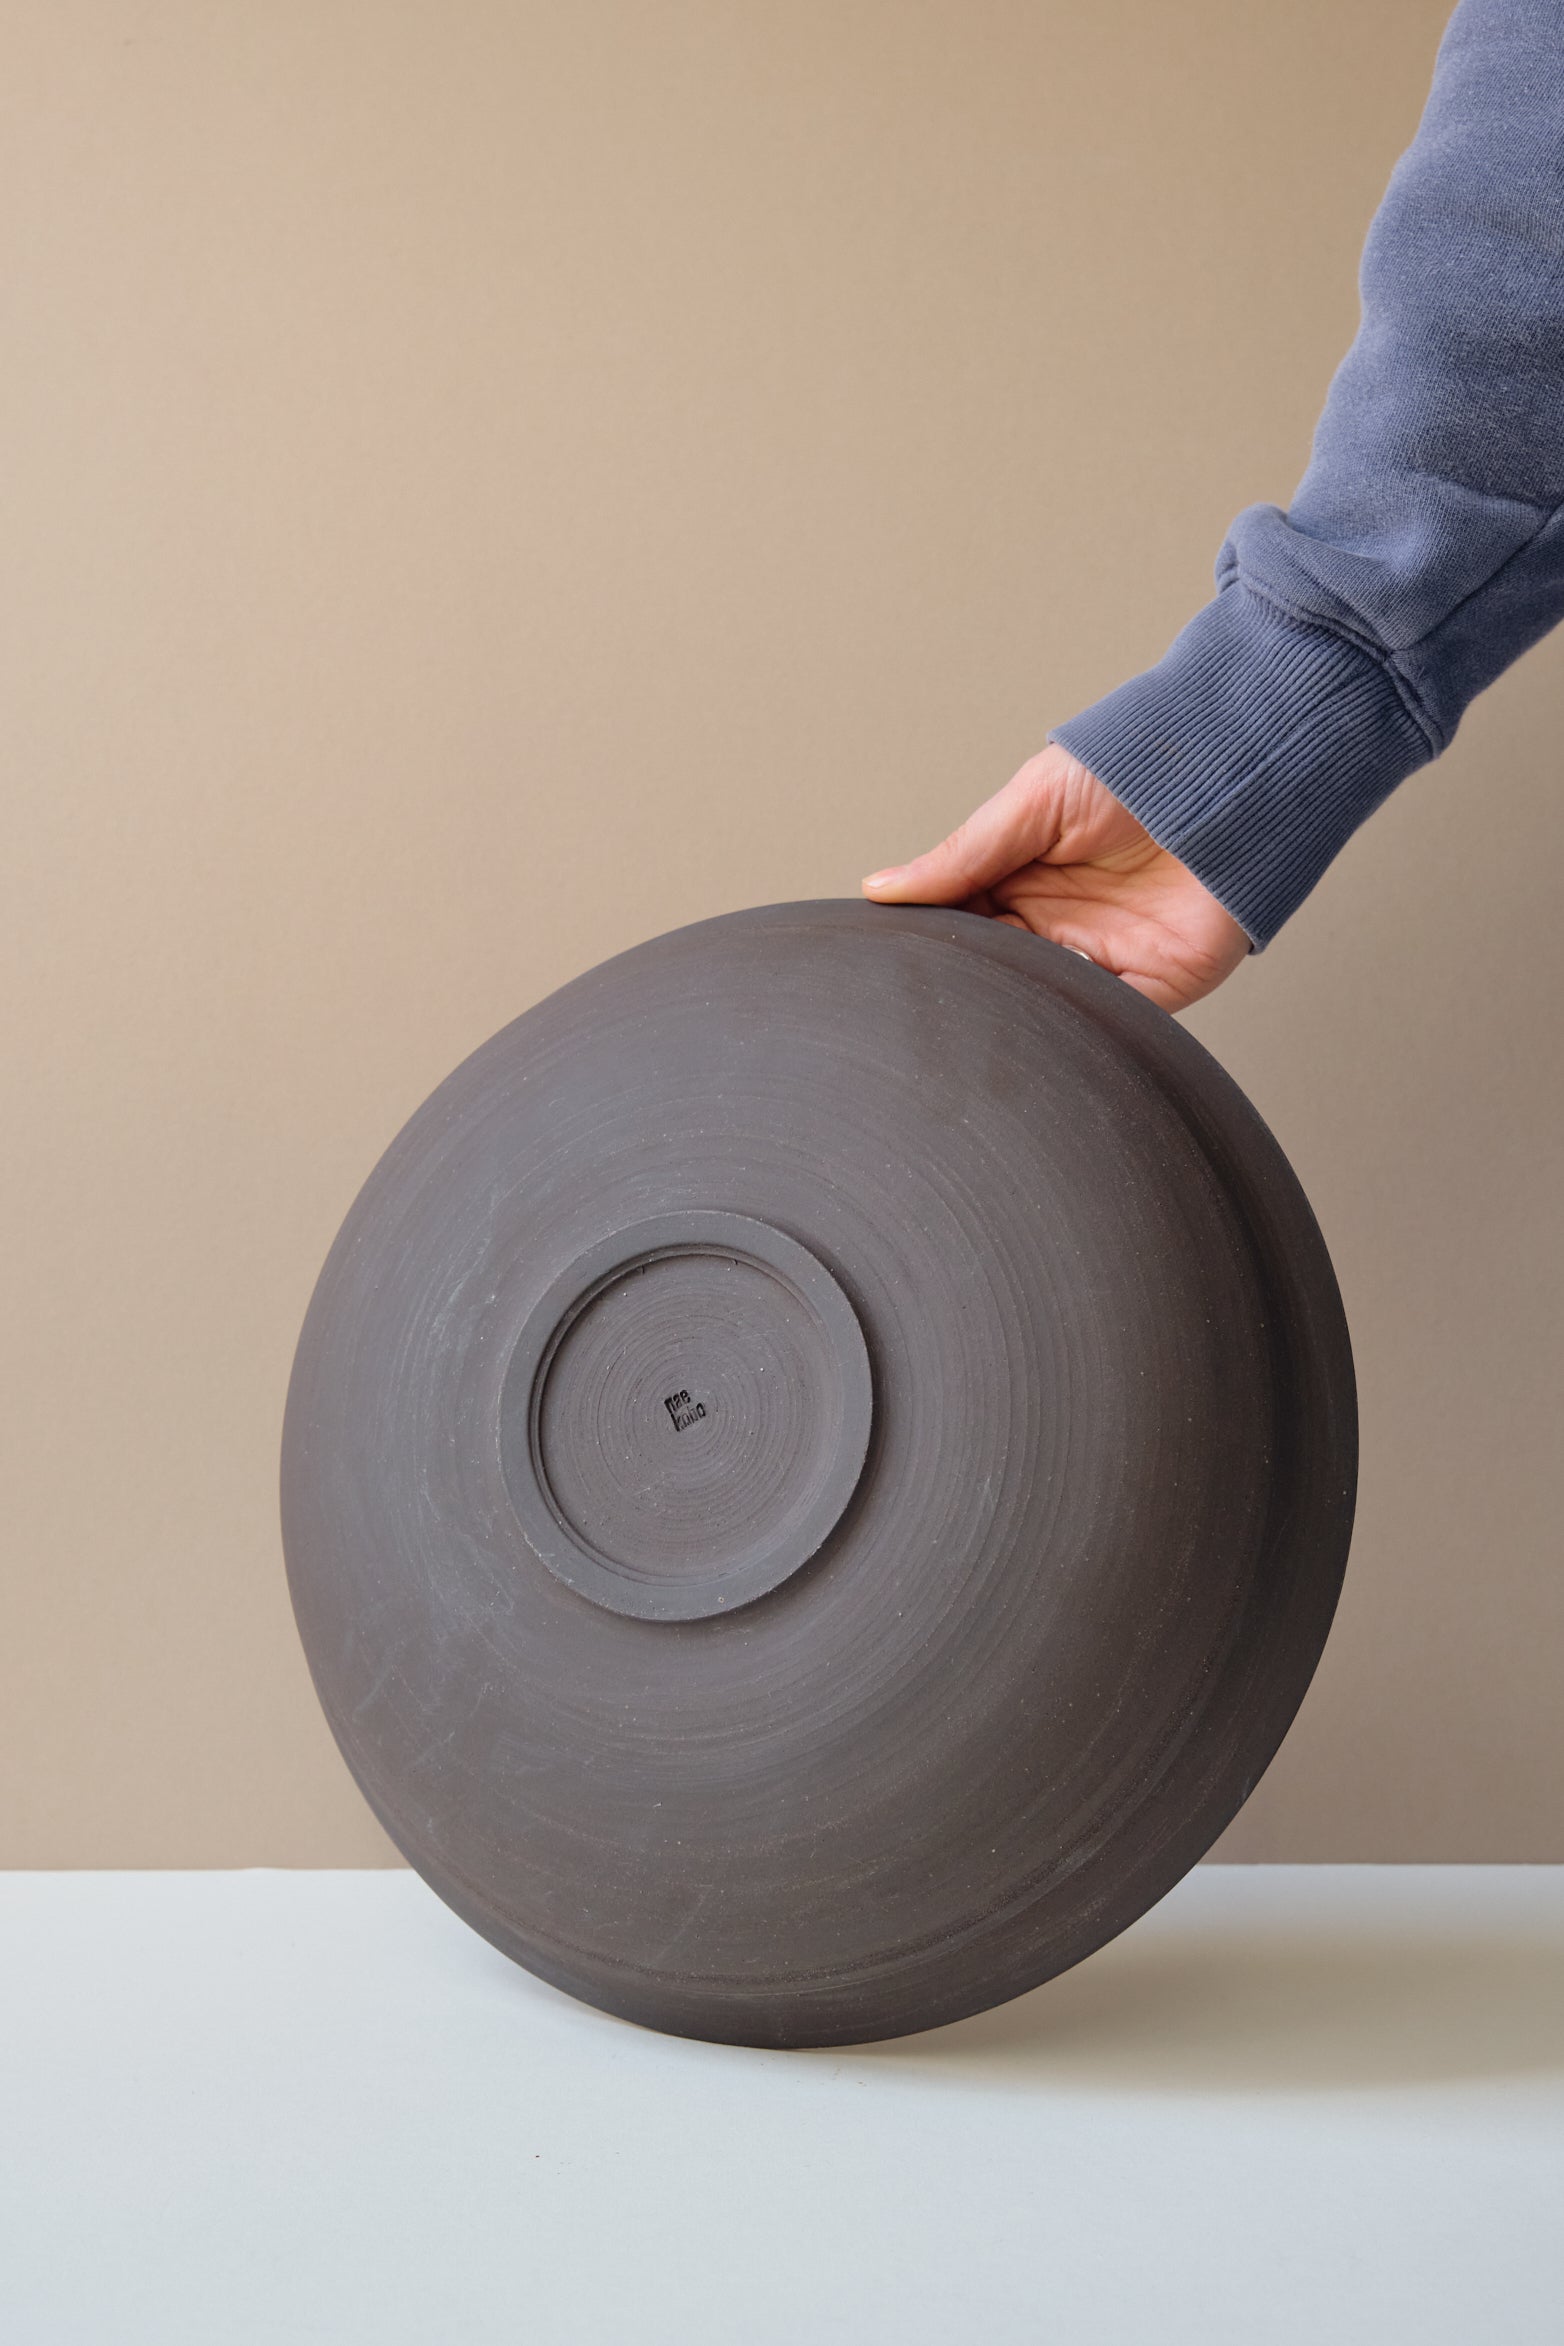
(1424, 549)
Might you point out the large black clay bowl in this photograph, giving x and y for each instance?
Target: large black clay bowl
(818, 1471)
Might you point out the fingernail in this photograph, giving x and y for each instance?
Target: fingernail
(880, 879)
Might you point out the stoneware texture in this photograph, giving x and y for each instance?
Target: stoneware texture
(818, 1471)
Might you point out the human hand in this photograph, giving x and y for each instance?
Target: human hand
(1055, 852)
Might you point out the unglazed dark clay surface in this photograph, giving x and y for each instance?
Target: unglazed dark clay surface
(818, 1472)
(670, 1502)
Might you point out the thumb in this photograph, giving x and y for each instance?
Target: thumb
(1014, 827)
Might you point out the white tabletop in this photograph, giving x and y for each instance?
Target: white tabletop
(1293, 2107)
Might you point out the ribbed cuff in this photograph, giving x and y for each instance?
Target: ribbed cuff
(1252, 751)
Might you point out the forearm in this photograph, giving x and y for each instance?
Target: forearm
(1424, 549)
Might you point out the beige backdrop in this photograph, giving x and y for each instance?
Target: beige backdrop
(486, 483)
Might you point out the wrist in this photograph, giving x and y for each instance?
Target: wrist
(1251, 752)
